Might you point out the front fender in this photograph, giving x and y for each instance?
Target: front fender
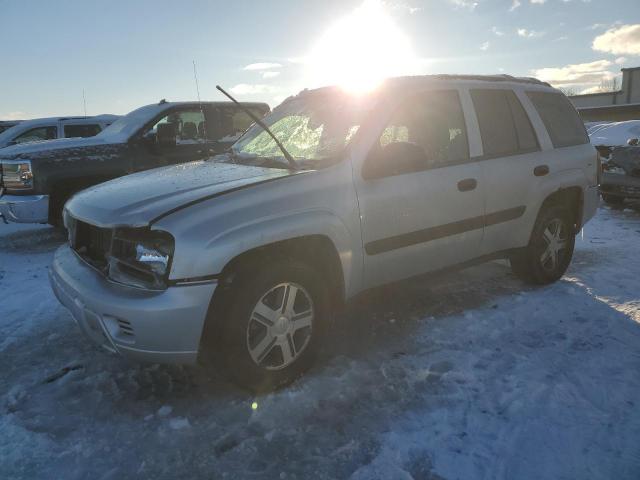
(211, 256)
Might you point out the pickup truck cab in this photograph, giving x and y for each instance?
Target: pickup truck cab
(42, 129)
(241, 259)
(36, 179)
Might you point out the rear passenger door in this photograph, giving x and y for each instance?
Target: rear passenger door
(511, 153)
(420, 197)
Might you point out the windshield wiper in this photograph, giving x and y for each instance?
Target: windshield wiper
(292, 163)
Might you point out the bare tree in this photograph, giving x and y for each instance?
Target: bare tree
(609, 84)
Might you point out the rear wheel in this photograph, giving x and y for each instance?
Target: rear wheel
(612, 199)
(550, 249)
(270, 329)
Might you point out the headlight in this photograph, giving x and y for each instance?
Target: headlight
(141, 258)
(17, 175)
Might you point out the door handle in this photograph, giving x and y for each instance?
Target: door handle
(541, 170)
(467, 184)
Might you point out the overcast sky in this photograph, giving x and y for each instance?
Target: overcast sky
(125, 54)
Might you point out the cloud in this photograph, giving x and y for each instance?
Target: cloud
(262, 66)
(485, 46)
(561, 39)
(538, 2)
(270, 74)
(465, 4)
(252, 89)
(514, 5)
(623, 40)
(14, 116)
(591, 73)
(621, 60)
(497, 32)
(524, 33)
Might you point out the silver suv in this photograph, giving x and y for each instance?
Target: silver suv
(241, 259)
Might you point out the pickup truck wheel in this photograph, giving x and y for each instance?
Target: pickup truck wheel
(273, 324)
(550, 249)
(612, 199)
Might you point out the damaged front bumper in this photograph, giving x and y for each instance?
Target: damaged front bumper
(621, 173)
(620, 185)
(153, 326)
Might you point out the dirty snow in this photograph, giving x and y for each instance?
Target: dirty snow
(468, 376)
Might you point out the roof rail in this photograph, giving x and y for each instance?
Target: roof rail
(491, 78)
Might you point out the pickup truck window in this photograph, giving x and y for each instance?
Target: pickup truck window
(310, 128)
(233, 123)
(87, 130)
(37, 134)
(188, 126)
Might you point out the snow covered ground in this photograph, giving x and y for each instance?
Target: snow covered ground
(468, 376)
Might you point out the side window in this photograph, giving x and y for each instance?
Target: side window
(560, 119)
(37, 134)
(187, 126)
(89, 130)
(496, 123)
(232, 123)
(527, 140)
(431, 123)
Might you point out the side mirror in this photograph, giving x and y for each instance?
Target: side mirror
(394, 159)
(166, 134)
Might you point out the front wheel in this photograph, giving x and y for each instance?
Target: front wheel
(550, 249)
(272, 325)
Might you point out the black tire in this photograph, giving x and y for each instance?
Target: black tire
(612, 199)
(232, 328)
(528, 264)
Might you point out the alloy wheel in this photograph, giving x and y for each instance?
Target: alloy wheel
(280, 326)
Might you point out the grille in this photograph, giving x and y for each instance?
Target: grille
(91, 243)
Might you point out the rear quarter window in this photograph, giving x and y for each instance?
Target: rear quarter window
(560, 118)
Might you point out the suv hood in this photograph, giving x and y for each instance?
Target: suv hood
(26, 149)
(137, 200)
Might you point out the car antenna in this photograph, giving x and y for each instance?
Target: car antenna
(195, 77)
(287, 155)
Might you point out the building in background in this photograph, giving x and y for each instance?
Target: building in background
(616, 106)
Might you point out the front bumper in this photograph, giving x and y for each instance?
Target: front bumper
(155, 326)
(620, 185)
(25, 208)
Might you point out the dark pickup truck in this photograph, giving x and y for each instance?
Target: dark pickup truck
(37, 179)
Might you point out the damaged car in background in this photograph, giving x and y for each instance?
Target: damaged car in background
(618, 146)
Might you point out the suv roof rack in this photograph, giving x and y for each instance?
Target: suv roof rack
(442, 76)
(490, 78)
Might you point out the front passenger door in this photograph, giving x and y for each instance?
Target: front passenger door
(421, 198)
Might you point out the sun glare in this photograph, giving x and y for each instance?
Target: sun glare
(360, 49)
